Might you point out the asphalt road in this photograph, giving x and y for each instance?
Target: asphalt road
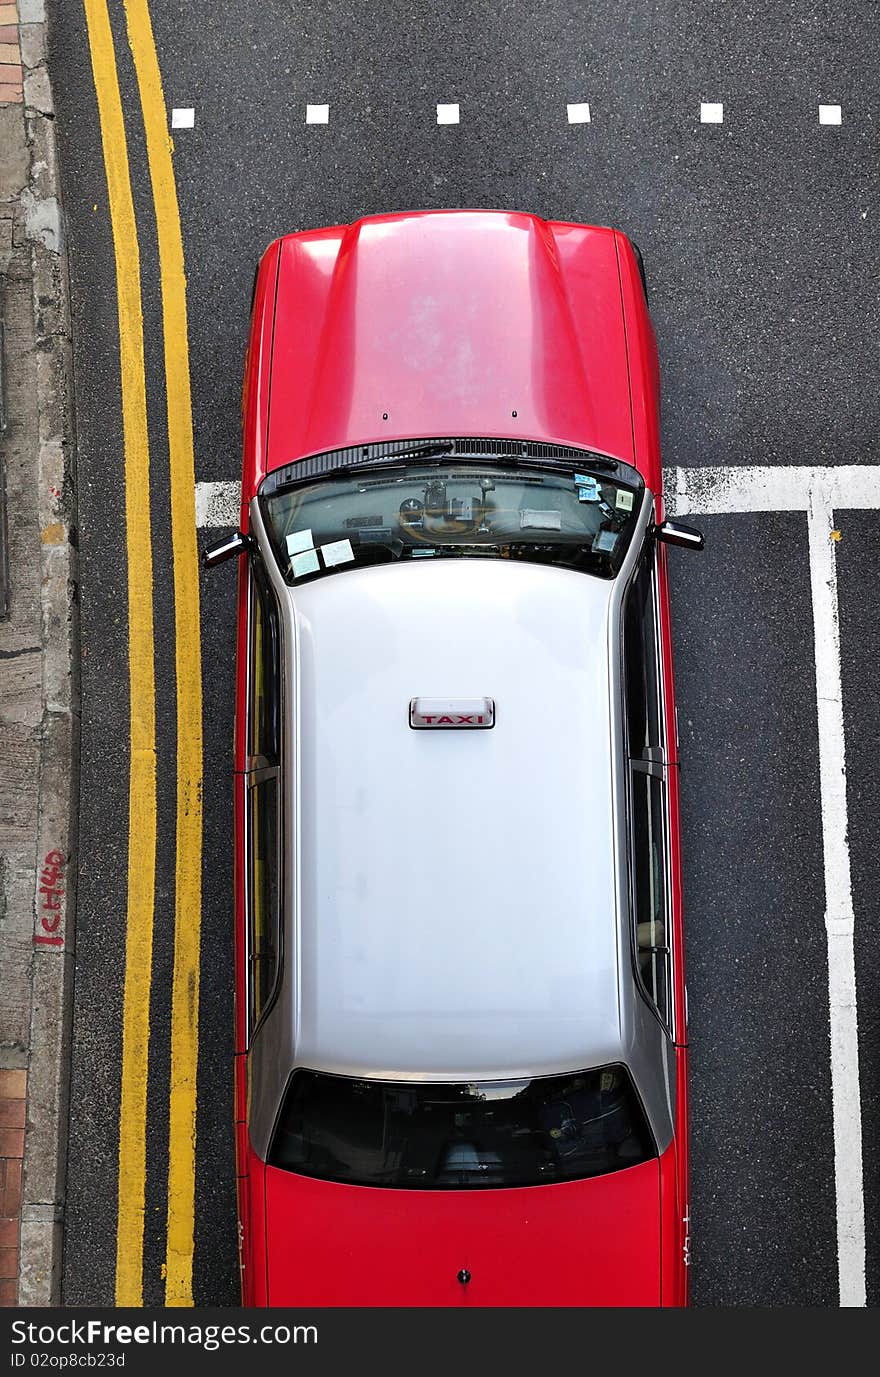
(763, 254)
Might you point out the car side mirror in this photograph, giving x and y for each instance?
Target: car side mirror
(673, 533)
(231, 545)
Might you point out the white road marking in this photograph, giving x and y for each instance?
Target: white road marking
(317, 114)
(183, 118)
(218, 504)
(839, 916)
(579, 113)
(780, 488)
(447, 114)
(711, 112)
(829, 114)
(817, 491)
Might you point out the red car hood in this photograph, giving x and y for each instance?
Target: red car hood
(448, 323)
(580, 1243)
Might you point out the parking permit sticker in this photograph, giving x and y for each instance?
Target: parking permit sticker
(589, 491)
(605, 541)
(337, 552)
(298, 541)
(305, 563)
(624, 500)
(532, 520)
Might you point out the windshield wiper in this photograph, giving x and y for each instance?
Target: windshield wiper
(589, 461)
(436, 453)
(397, 459)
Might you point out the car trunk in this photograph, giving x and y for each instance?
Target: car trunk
(578, 1243)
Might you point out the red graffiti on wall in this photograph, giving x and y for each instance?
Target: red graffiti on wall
(51, 889)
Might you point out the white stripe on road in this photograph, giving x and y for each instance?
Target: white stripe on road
(816, 491)
(183, 118)
(839, 917)
(317, 114)
(579, 113)
(780, 488)
(218, 504)
(711, 112)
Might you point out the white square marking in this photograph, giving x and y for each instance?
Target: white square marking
(579, 113)
(829, 114)
(447, 114)
(711, 112)
(317, 114)
(183, 119)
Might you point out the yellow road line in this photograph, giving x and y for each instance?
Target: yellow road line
(142, 689)
(188, 887)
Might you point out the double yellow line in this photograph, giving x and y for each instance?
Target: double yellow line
(142, 775)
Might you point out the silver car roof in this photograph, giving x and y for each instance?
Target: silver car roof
(456, 904)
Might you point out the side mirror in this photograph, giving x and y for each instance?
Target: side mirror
(672, 533)
(227, 548)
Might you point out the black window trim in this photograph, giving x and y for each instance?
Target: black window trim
(257, 769)
(653, 761)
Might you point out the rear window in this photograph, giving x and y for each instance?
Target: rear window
(581, 521)
(454, 1136)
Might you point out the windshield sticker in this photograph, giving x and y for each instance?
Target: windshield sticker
(337, 552)
(298, 541)
(605, 542)
(589, 491)
(532, 520)
(305, 563)
(624, 500)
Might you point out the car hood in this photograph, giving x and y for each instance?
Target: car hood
(581, 1243)
(469, 323)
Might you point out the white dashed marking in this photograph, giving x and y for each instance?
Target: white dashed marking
(579, 113)
(447, 114)
(317, 114)
(711, 112)
(829, 114)
(183, 118)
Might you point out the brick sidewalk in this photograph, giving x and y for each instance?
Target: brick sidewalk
(38, 693)
(13, 1091)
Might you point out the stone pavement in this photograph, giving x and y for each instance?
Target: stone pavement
(38, 684)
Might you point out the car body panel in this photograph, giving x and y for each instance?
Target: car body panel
(576, 1243)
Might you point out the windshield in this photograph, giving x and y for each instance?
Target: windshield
(574, 519)
(494, 1133)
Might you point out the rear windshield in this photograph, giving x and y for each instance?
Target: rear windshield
(493, 1133)
(575, 519)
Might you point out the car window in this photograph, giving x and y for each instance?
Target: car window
(264, 892)
(582, 521)
(263, 812)
(437, 1136)
(642, 664)
(263, 727)
(648, 811)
